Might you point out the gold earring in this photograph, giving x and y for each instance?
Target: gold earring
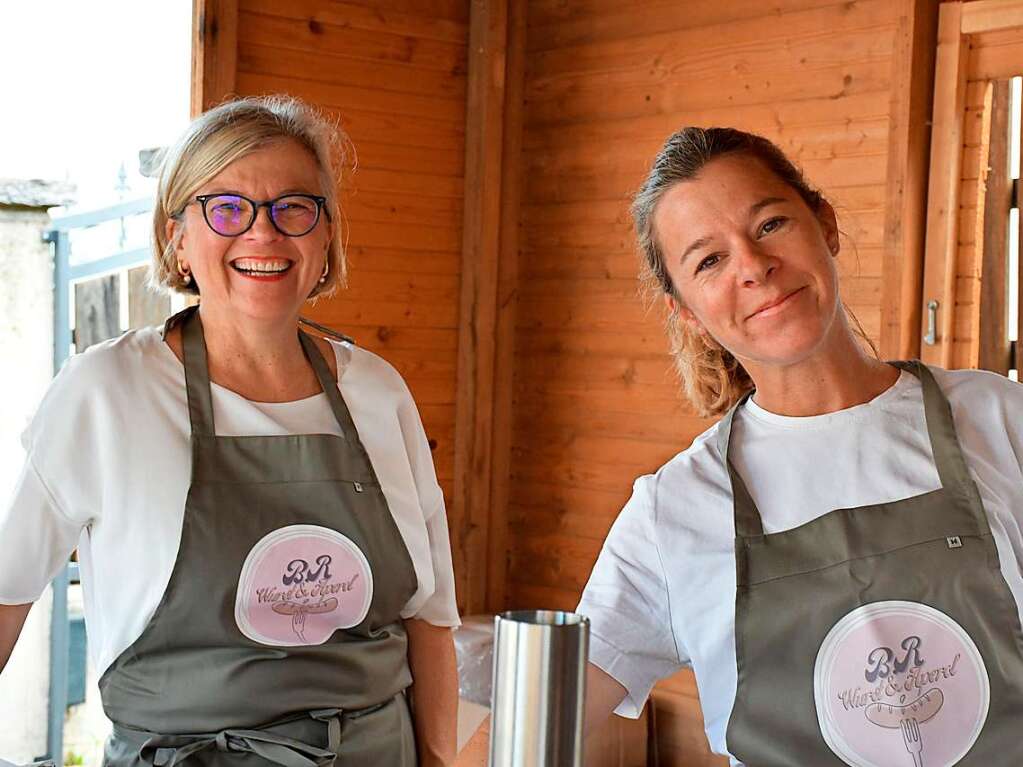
(186, 274)
(326, 270)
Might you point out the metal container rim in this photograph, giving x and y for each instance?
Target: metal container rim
(554, 618)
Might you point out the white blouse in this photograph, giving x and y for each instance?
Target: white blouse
(108, 468)
(662, 594)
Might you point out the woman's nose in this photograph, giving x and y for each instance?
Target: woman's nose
(263, 228)
(755, 264)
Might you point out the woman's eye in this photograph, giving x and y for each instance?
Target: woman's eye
(707, 262)
(772, 225)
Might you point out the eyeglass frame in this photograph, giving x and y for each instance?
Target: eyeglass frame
(320, 201)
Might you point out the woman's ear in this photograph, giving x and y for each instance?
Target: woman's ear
(684, 313)
(829, 226)
(170, 228)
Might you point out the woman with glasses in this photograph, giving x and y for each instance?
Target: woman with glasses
(263, 542)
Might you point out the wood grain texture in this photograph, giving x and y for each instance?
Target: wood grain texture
(507, 307)
(992, 250)
(392, 73)
(965, 263)
(470, 515)
(944, 183)
(596, 402)
(991, 15)
(214, 52)
(908, 154)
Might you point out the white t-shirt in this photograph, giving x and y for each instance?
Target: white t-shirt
(108, 467)
(662, 594)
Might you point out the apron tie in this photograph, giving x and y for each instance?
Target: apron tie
(171, 750)
(332, 716)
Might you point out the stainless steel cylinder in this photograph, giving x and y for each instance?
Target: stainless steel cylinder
(539, 689)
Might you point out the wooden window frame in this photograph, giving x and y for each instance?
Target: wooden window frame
(957, 22)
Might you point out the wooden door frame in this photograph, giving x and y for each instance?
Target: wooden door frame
(909, 137)
(957, 21)
(214, 52)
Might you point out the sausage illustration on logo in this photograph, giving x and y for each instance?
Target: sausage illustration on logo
(897, 678)
(300, 584)
(908, 718)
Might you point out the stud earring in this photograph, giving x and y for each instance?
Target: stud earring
(326, 270)
(186, 274)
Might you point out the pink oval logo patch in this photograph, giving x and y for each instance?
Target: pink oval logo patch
(300, 584)
(900, 683)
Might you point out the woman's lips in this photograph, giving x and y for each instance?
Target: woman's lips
(262, 270)
(775, 307)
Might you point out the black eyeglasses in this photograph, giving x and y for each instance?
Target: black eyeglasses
(230, 215)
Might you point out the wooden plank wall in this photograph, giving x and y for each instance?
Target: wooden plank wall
(595, 400)
(393, 73)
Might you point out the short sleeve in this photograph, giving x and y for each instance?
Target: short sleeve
(439, 608)
(39, 526)
(36, 539)
(626, 600)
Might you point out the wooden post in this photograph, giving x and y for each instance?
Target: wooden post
(909, 140)
(944, 183)
(503, 425)
(994, 204)
(470, 517)
(214, 52)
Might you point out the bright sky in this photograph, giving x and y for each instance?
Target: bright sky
(88, 84)
(85, 85)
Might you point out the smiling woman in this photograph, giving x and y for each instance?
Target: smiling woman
(806, 555)
(289, 574)
(782, 205)
(252, 265)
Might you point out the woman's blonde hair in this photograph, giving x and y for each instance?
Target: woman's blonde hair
(712, 378)
(227, 133)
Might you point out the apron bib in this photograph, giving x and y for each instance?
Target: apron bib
(878, 636)
(279, 638)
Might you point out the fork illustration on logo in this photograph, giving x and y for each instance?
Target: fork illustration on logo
(299, 611)
(908, 718)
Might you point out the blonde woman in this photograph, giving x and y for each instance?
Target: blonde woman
(263, 541)
(838, 557)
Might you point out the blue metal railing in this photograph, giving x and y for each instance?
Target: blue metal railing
(65, 274)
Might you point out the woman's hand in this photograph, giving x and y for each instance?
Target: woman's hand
(431, 657)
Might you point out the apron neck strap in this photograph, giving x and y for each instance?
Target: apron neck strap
(337, 403)
(197, 379)
(747, 516)
(197, 372)
(328, 383)
(948, 456)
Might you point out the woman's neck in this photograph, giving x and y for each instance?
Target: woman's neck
(839, 376)
(261, 361)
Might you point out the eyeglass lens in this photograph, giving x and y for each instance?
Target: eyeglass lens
(230, 215)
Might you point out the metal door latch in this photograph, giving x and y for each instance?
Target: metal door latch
(932, 323)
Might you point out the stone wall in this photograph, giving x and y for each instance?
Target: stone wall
(26, 348)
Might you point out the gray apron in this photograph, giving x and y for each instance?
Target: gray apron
(879, 635)
(278, 639)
